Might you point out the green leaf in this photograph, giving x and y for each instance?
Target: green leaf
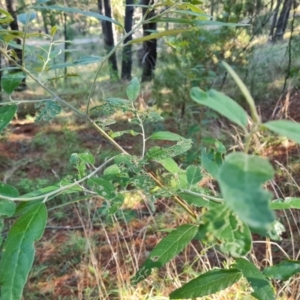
(241, 178)
(87, 157)
(7, 17)
(10, 81)
(48, 110)
(219, 102)
(7, 113)
(286, 128)
(27, 17)
(223, 227)
(260, 284)
(102, 187)
(7, 207)
(170, 165)
(209, 164)
(158, 153)
(18, 251)
(78, 11)
(112, 170)
(166, 136)
(193, 175)
(157, 35)
(274, 232)
(8, 190)
(208, 283)
(194, 199)
(287, 203)
(120, 133)
(133, 89)
(283, 270)
(167, 248)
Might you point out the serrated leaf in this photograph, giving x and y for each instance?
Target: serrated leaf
(112, 170)
(133, 89)
(167, 248)
(260, 284)
(208, 283)
(7, 17)
(193, 175)
(18, 251)
(286, 128)
(79, 11)
(222, 104)
(26, 17)
(48, 110)
(7, 113)
(166, 136)
(222, 226)
(241, 178)
(283, 270)
(10, 81)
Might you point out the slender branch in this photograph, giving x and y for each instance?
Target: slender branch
(204, 196)
(60, 190)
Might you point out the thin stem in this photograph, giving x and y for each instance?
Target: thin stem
(60, 190)
(204, 196)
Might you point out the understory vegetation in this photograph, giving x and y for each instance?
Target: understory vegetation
(150, 150)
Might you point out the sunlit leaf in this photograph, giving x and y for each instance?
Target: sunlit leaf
(7, 113)
(157, 35)
(165, 135)
(5, 17)
(170, 165)
(287, 203)
(261, 286)
(208, 283)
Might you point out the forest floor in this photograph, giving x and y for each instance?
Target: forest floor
(75, 247)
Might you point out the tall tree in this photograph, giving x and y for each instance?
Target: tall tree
(283, 19)
(18, 50)
(127, 51)
(107, 31)
(279, 25)
(149, 47)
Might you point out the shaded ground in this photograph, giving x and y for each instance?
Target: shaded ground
(65, 264)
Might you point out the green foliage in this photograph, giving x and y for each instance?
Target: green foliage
(208, 283)
(226, 218)
(6, 115)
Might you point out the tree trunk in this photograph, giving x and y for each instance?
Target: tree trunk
(127, 51)
(14, 26)
(274, 20)
(149, 47)
(108, 36)
(283, 20)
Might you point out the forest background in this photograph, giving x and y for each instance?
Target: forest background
(126, 173)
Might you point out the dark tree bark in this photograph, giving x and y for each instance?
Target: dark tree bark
(149, 47)
(14, 26)
(127, 51)
(274, 20)
(108, 36)
(283, 20)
